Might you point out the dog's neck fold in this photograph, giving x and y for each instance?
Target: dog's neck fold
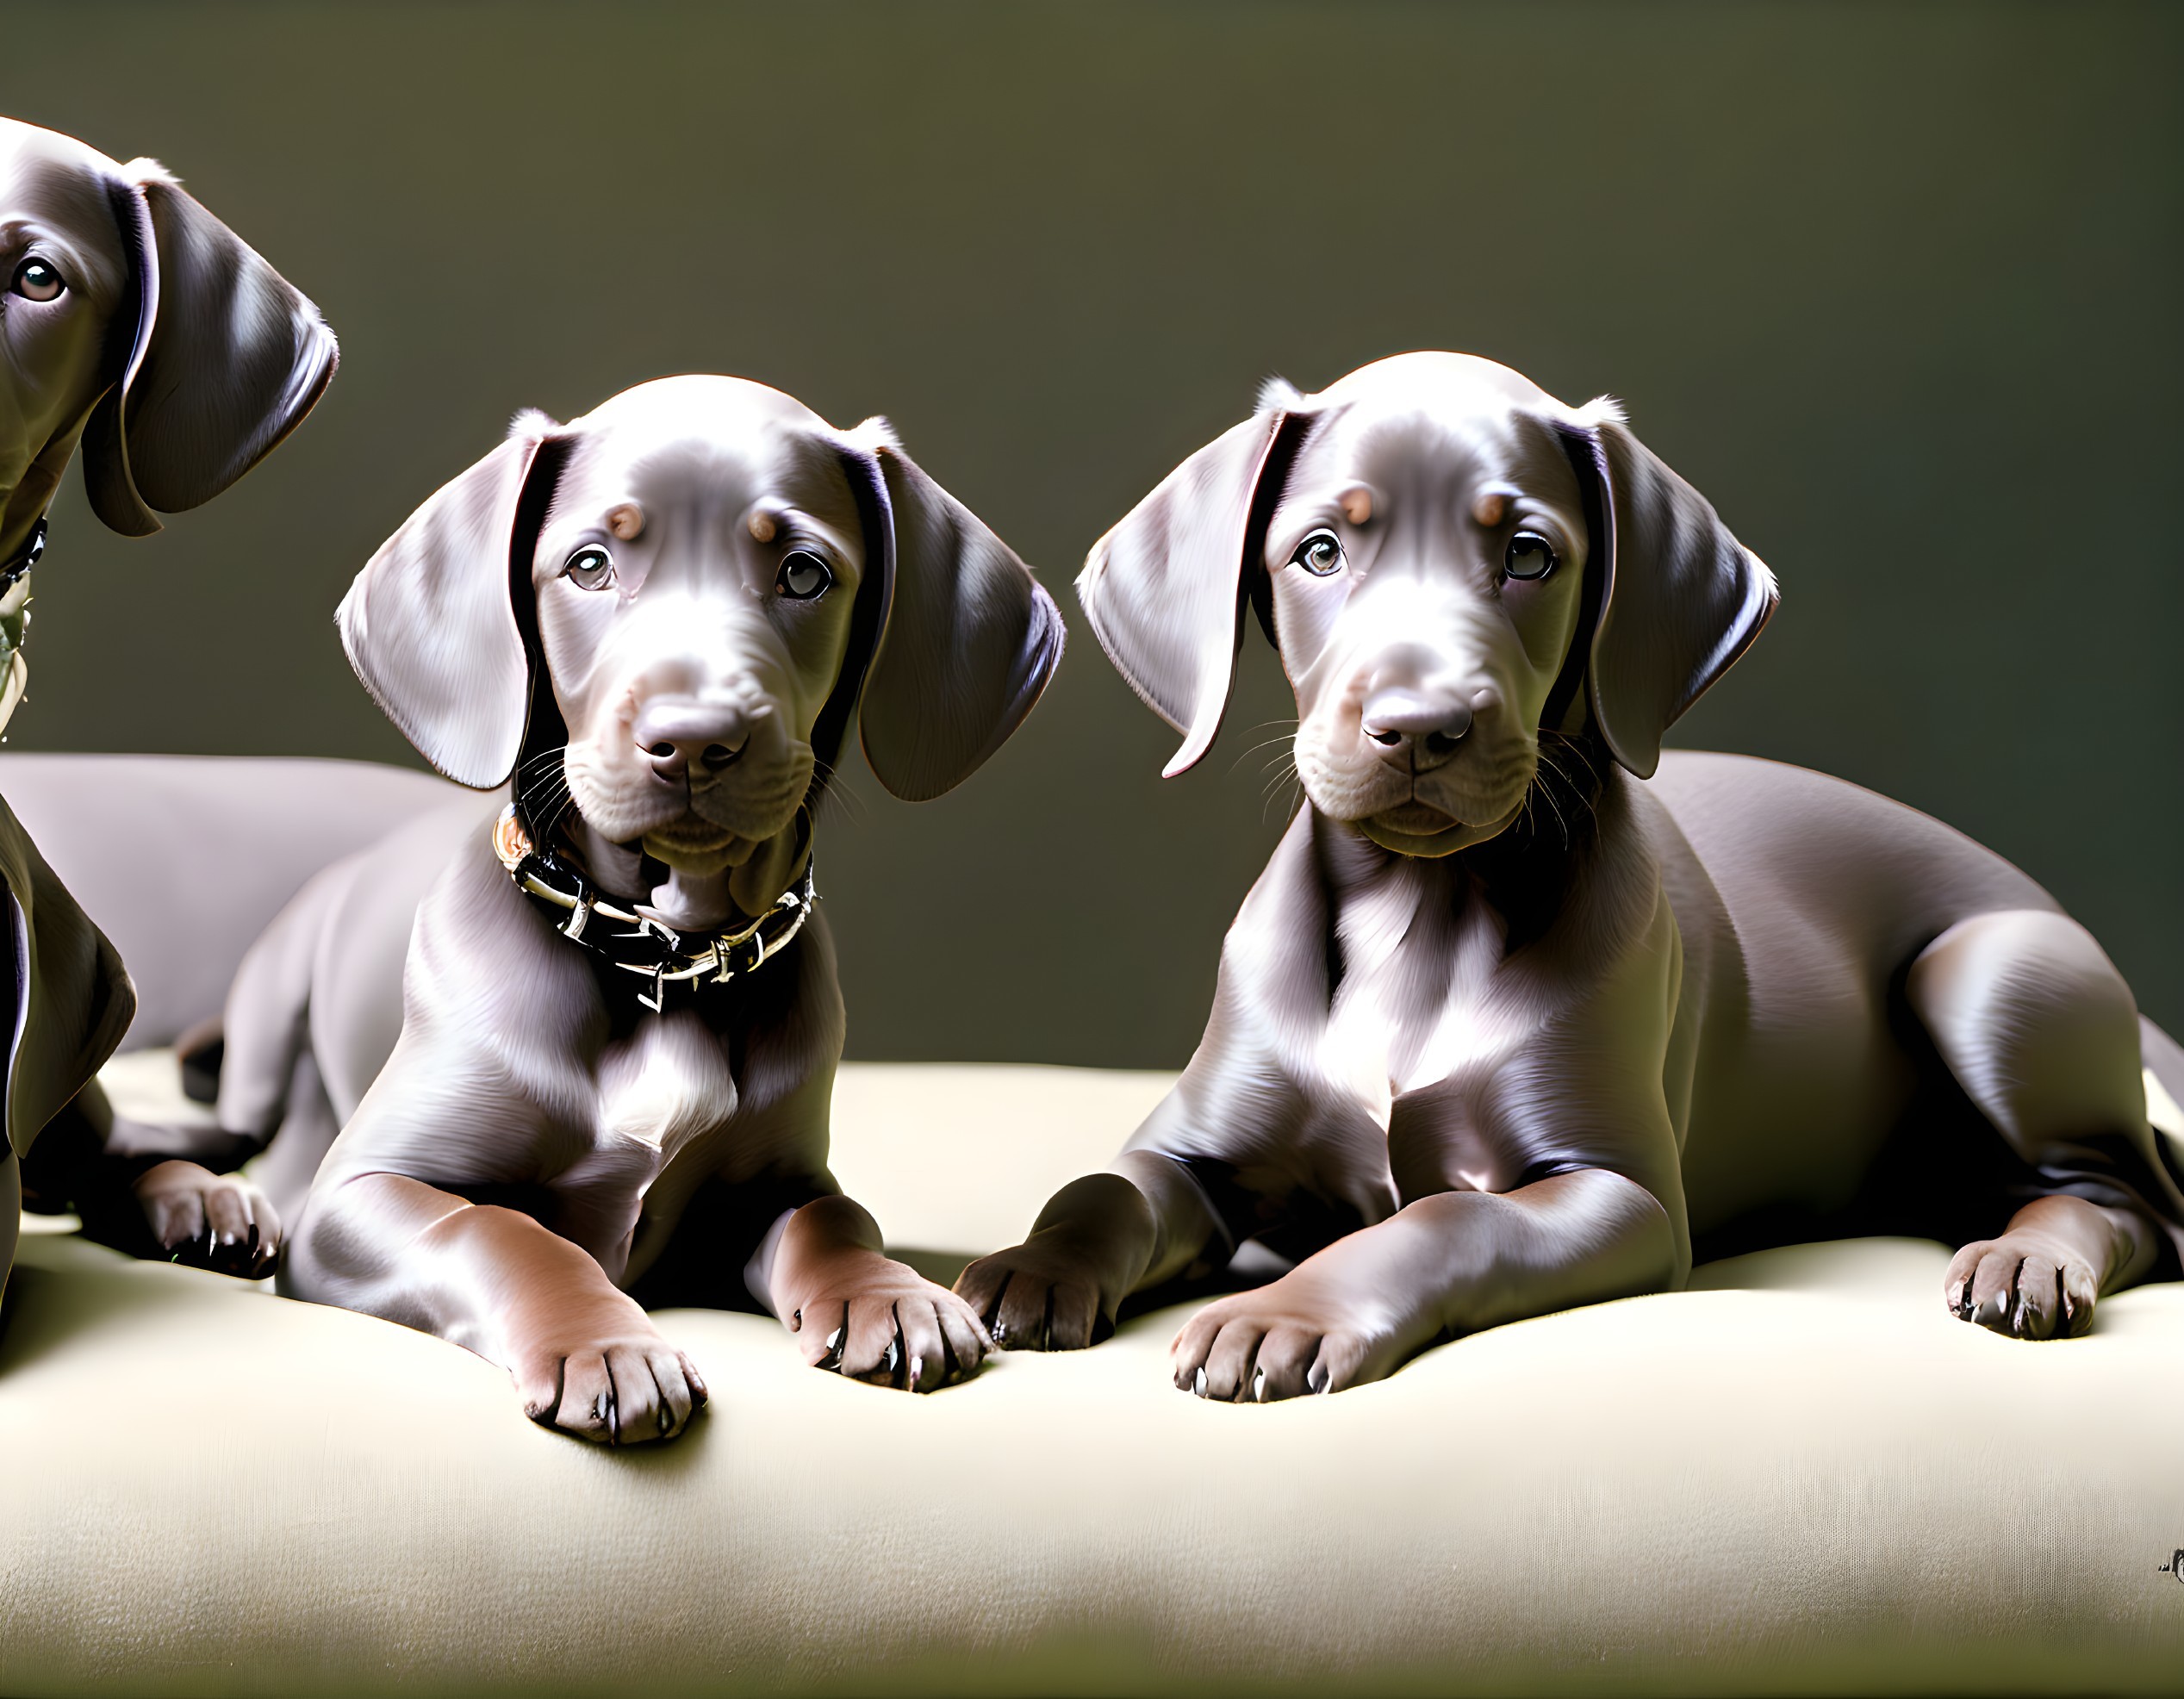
(1524, 871)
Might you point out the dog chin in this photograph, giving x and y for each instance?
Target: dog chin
(1416, 830)
(691, 845)
(694, 843)
(1412, 827)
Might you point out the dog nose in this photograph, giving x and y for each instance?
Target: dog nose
(1416, 730)
(675, 735)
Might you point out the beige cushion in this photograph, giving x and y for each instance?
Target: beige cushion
(1803, 1476)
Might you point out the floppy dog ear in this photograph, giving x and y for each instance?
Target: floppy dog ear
(1680, 598)
(1166, 589)
(429, 625)
(969, 637)
(215, 359)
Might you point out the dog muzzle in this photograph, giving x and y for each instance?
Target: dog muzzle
(638, 945)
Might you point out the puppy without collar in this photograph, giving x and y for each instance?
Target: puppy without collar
(712, 577)
(1512, 1019)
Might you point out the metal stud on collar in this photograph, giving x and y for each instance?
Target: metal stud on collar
(28, 557)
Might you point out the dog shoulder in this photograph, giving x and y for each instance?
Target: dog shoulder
(485, 961)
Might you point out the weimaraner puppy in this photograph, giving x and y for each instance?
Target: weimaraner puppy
(620, 1019)
(135, 324)
(1521, 1008)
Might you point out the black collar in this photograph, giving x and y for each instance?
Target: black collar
(25, 558)
(637, 943)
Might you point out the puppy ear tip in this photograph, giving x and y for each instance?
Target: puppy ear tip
(122, 510)
(1192, 752)
(144, 171)
(1638, 763)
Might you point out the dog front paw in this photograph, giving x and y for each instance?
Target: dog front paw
(2025, 1285)
(205, 1220)
(1281, 1340)
(1036, 1297)
(870, 1318)
(618, 1388)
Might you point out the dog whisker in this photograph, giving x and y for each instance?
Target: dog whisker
(1558, 784)
(1265, 743)
(545, 764)
(1285, 778)
(1561, 823)
(829, 786)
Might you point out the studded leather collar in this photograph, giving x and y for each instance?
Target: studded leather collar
(646, 948)
(25, 558)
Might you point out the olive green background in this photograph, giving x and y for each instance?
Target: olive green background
(1897, 286)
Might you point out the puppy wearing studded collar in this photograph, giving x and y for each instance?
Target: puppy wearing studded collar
(658, 619)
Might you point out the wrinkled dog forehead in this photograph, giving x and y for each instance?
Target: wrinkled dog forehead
(1452, 386)
(29, 154)
(1433, 414)
(66, 191)
(698, 405)
(717, 440)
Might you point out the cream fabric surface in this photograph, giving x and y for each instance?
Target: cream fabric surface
(1800, 1477)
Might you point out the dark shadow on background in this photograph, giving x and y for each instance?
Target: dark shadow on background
(1894, 285)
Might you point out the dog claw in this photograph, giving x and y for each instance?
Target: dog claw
(1199, 1383)
(1259, 1386)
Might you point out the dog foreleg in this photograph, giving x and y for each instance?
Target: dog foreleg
(856, 1309)
(180, 1180)
(1445, 1265)
(584, 1355)
(1099, 1240)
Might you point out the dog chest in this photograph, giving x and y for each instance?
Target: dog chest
(665, 1084)
(1418, 999)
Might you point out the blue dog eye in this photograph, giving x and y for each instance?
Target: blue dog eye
(1319, 554)
(1530, 555)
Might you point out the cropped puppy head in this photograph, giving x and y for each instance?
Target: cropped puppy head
(712, 571)
(1451, 561)
(137, 323)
